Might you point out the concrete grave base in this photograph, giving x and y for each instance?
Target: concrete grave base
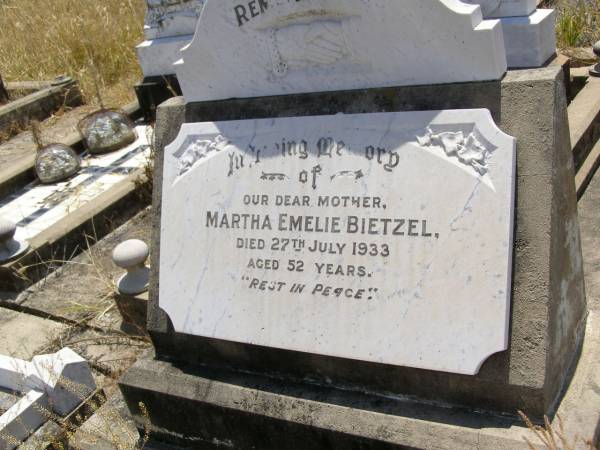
(244, 396)
(206, 409)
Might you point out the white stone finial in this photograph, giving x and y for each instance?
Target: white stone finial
(10, 247)
(131, 255)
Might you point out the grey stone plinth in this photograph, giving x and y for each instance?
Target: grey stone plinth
(548, 300)
(548, 308)
(209, 409)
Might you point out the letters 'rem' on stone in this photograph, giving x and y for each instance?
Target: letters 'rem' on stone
(245, 12)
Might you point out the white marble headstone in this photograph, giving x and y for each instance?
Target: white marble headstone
(248, 48)
(382, 237)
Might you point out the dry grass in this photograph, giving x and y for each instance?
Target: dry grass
(86, 39)
(553, 438)
(577, 23)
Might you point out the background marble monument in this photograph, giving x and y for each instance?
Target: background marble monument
(169, 26)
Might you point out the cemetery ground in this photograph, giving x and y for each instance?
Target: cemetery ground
(74, 305)
(64, 294)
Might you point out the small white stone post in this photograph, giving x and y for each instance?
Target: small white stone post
(10, 248)
(131, 255)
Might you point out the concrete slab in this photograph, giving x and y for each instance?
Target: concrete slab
(24, 336)
(584, 120)
(7, 400)
(48, 437)
(111, 353)
(580, 409)
(88, 279)
(587, 170)
(267, 413)
(589, 224)
(110, 428)
(58, 219)
(37, 207)
(40, 105)
(20, 151)
(57, 128)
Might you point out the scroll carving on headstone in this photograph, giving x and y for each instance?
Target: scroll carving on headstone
(467, 148)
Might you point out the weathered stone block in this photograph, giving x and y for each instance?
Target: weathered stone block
(530, 40)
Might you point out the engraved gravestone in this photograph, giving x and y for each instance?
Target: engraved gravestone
(383, 237)
(283, 47)
(336, 268)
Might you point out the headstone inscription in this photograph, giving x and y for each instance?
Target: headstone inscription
(381, 237)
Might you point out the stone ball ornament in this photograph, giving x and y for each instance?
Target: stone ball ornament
(131, 255)
(56, 162)
(10, 248)
(595, 71)
(106, 131)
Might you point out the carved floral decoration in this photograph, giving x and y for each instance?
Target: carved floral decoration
(467, 149)
(199, 149)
